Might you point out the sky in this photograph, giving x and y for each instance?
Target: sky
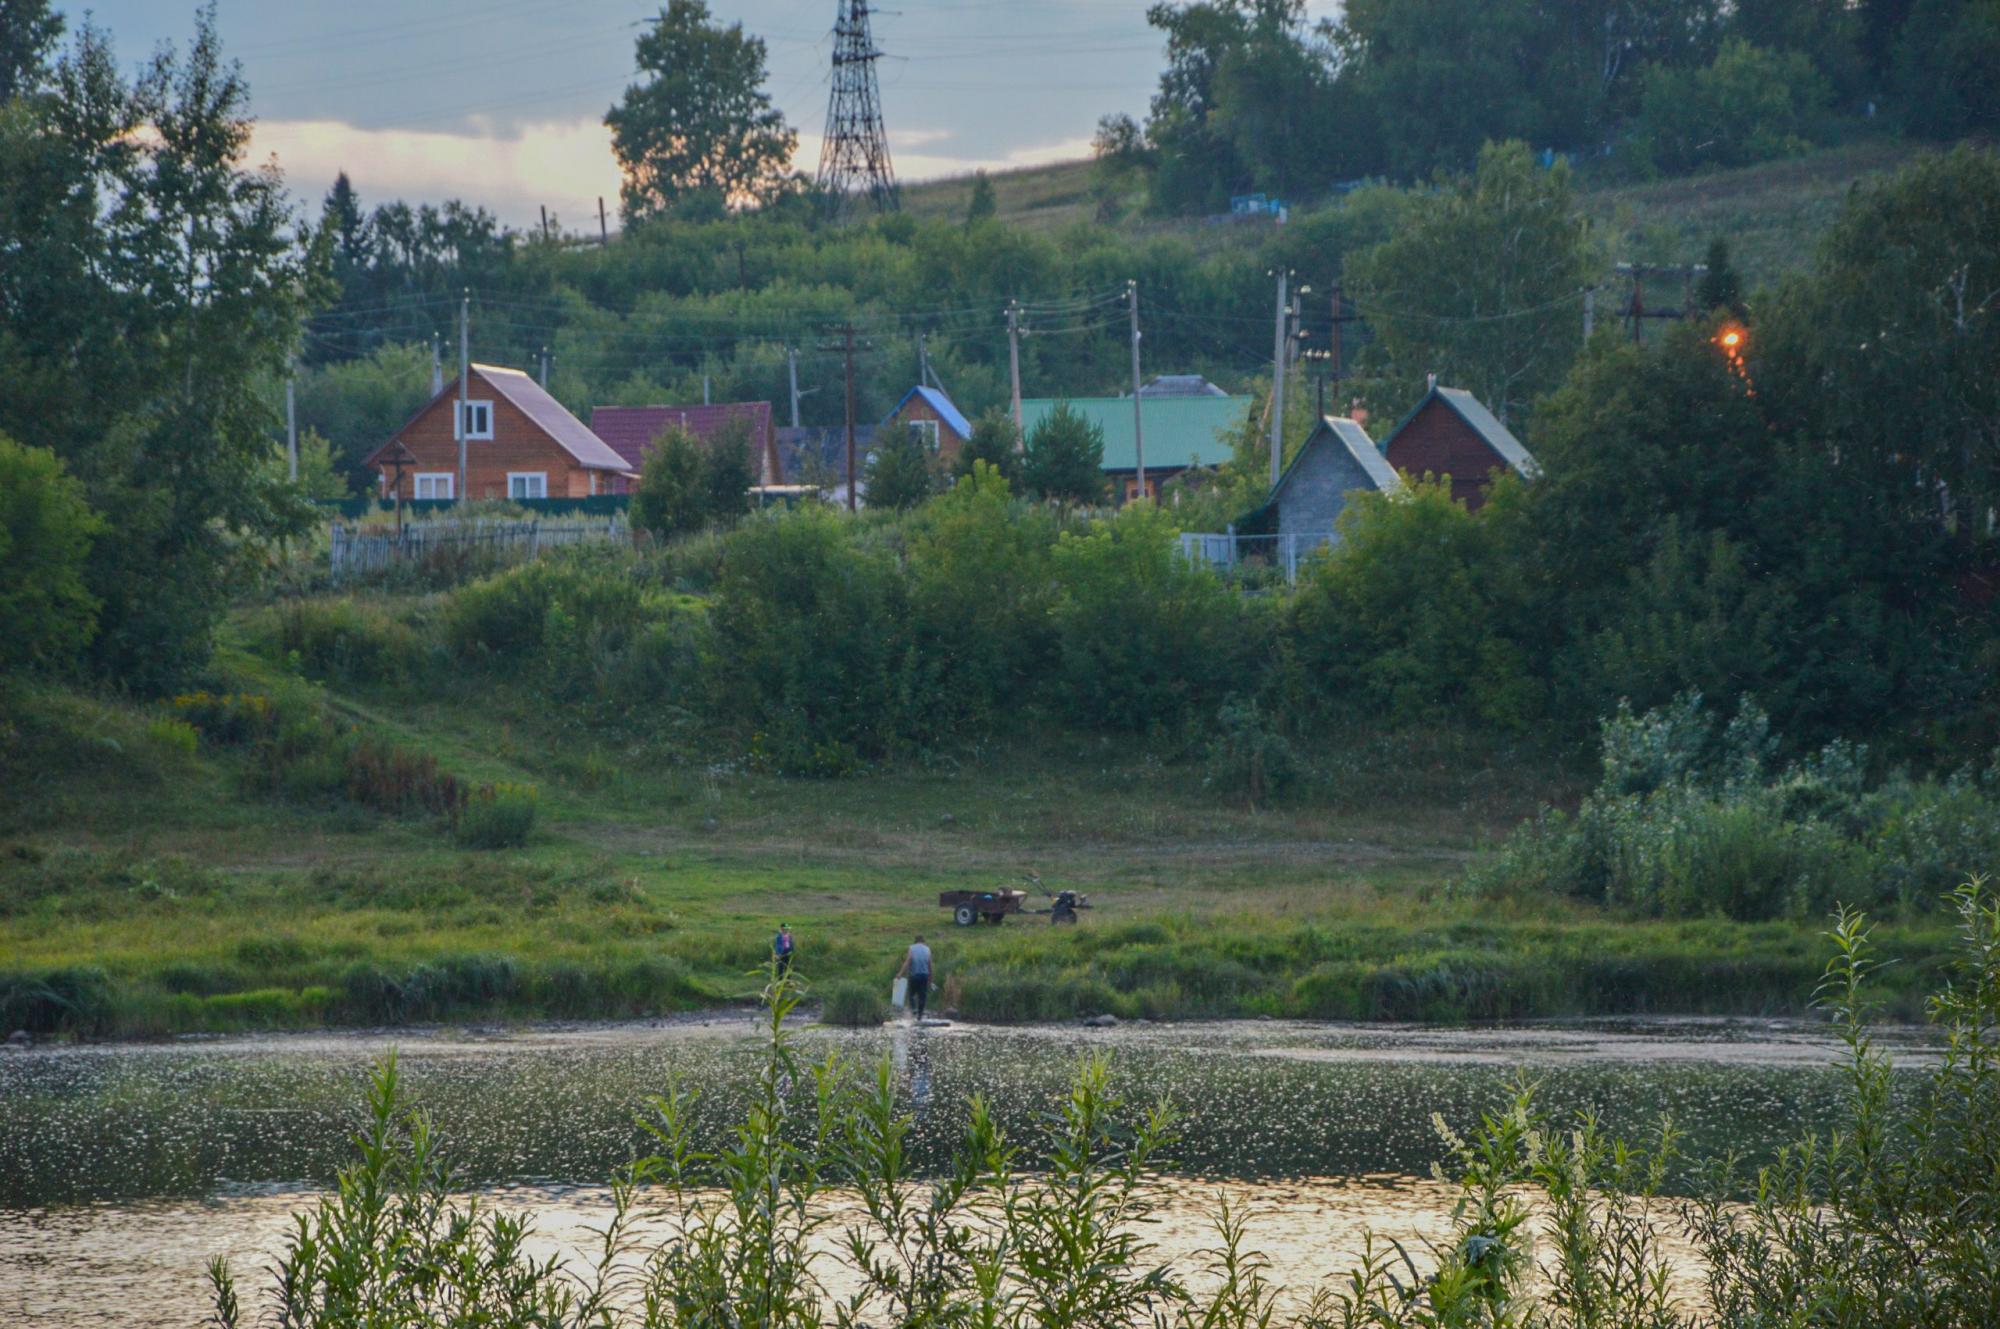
(501, 102)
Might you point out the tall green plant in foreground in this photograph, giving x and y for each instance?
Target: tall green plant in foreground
(1893, 1219)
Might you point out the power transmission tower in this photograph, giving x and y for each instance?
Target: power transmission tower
(854, 158)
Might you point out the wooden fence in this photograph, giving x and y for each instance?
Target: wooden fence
(358, 550)
(1229, 552)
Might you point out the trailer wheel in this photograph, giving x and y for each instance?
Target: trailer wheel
(965, 915)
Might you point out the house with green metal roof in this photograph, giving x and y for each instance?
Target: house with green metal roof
(1180, 433)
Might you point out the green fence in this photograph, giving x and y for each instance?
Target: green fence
(600, 505)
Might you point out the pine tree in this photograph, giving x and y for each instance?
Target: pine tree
(1720, 287)
(899, 474)
(982, 207)
(1065, 457)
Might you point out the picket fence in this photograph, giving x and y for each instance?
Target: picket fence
(1231, 551)
(358, 550)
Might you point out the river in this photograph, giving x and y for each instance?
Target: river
(124, 1167)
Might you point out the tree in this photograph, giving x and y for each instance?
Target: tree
(47, 613)
(994, 441)
(899, 473)
(1945, 67)
(1720, 287)
(320, 475)
(357, 404)
(1483, 285)
(701, 122)
(982, 207)
(670, 498)
(139, 333)
(726, 473)
(1749, 105)
(28, 32)
(1065, 457)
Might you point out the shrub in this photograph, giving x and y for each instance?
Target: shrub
(899, 471)
(231, 719)
(175, 737)
(77, 1000)
(497, 816)
(351, 640)
(397, 781)
(855, 1005)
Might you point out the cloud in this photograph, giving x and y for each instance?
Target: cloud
(565, 165)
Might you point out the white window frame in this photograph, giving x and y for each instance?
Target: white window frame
(927, 433)
(439, 480)
(541, 478)
(471, 408)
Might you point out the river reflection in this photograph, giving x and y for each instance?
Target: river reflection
(122, 1168)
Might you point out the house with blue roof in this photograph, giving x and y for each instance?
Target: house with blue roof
(939, 425)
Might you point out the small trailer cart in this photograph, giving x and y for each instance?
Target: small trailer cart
(969, 907)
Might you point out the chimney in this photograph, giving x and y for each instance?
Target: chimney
(1357, 412)
(1433, 383)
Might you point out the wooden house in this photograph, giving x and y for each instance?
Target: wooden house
(1337, 460)
(631, 432)
(939, 425)
(520, 443)
(1451, 433)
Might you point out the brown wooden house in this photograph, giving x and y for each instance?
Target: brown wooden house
(520, 443)
(1451, 433)
(940, 426)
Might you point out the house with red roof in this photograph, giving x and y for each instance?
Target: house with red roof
(519, 443)
(631, 431)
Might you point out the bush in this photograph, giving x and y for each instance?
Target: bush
(1064, 458)
(172, 736)
(231, 719)
(899, 471)
(855, 1005)
(1142, 635)
(76, 1000)
(47, 614)
(396, 781)
(497, 816)
(350, 640)
(1691, 818)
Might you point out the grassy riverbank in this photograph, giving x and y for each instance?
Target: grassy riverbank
(146, 889)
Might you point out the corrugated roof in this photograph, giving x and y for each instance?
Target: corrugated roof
(1347, 434)
(1488, 426)
(1180, 385)
(630, 430)
(1180, 431)
(940, 403)
(553, 417)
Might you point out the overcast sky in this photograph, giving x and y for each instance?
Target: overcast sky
(501, 102)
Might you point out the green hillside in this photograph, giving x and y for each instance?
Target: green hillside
(1770, 212)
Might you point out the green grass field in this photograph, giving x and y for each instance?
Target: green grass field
(147, 890)
(1770, 213)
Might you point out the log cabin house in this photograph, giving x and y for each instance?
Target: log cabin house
(520, 443)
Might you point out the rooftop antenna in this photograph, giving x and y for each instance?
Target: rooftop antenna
(854, 156)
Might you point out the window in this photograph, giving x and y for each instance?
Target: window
(926, 432)
(477, 421)
(434, 484)
(527, 484)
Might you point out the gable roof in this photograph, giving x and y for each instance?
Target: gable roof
(630, 430)
(1343, 432)
(533, 401)
(1180, 431)
(1180, 385)
(938, 402)
(1481, 421)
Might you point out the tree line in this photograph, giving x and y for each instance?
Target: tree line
(1256, 98)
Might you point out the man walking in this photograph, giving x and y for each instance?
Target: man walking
(782, 947)
(917, 966)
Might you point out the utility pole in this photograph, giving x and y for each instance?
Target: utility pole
(291, 428)
(545, 221)
(923, 361)
(1278, 385)
(847, 333)
(704, 389)
(545, 369)
(437, 365)
(464, 383)
(603, 226)
(1014, 363)
(1138, 421)
(792, 372)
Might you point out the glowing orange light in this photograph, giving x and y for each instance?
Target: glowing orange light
(1731, 339)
